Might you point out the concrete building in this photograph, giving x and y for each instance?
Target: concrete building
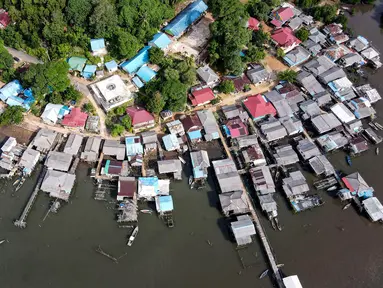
(227, 175)
(114, 148)
(58, 184)
(243, 230)
(58, 161)
(73, 144)
(44, 140)
(92, 149)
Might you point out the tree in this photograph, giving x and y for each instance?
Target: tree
(156, 55)
(103, 20)
(326, 13)
(255, 54)
(126, 45)
(77, 12)
(117, 130)
(343, 20)
(189, 77)
(88, 108)
(126, 122)
(174, 92)
(55, 98)
(259, 9)
(156, 103)
(71, 94)
(120, 110)
(302, 34)
(227, 86)
(12, 115)
(260, 38)
(6, 59)
(280, 53)
(171, 74)
(233, 64)
(307, 3)
(288, 75)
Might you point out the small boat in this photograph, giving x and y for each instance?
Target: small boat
(22, 180)
(346, 206)
(378, 125)
(55, 206)
(146, 211)
(332, 188)
(17, 181)
(377, 151)
(133, 236)
(280, 265)
(348, 160)
(190, 180)
(372, 125)
(182, 160)
(264, 273)
(2, 241)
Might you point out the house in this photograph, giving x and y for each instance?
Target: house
(148, 188)
(173, 166)
(100, 74)
(171, 142)
(292, 125)
(262, 180)
(296, 56)
(235, 128)
(111, 92)
(292, 282)
(14, 95)
(44, 140)
(113, 168)
(291, 93)
(176, 127)
(310, 109)
(227, 175)
(141, 119)
(234, 111)
(342, 113)
(332, 141)
(307, 149)
(322, 98)
(200, 162)
(325, 122)
(359, 43)
(201, 96)
(54, 112)
(134, 150)
(361, 108)
(312, 47)
(372, 136)
(354, 127)
(268, 205)
(76, 64)
(295, 23)
(89, 71)
(253, 24)
(285, 155)
(11, 89)
(5, 20)
(321, 166)
(93, 124)
(111, 66)
(351, 59)
(233, 203)
(306, 19)
(192, 126)
(317, 36)
(284, 38)
(91, 150)
(149, 140)
(241, 83)
(164, 204)
(335, 52)
(141, 58)
(309, 83)
(73, 144)
(319, 65)
(209, 124)
(372, 55)
(281, 16)
(273, 129)
(127, 188)
(160, 40)
(357, 185)
(146, 73)
(281, 105)
(114, 148)
(98, 47)
(254, 155)
(75, 118)
(58, 184)
(331, 74)
(374, 209)
(208, 76)
(258, 74)
(339, 38)
(333, 29)
(29, 160)
(369, 93)
(358, 145)
(342, 88)
(295, 185)
(243, 230)
(247, 141)
(58, 161)
(259, 107)
(185, 18)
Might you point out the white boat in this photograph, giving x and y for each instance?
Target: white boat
(22, 180)
(133, 236)
(377, 151)
(332, 188)
(17, 181)
(346, 206)
(190, 180)
(182, 160)
(264, 273)
(146, 211)
(2, 241)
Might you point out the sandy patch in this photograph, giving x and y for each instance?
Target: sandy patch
(274, 64)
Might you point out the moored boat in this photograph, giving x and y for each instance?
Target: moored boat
(346, 206)
(2, 241)
(146, 211)
(22, 180)
(264, 273)
(332, 188)
(377, 151)
(348, 160)
(133, 236)
(182, 160)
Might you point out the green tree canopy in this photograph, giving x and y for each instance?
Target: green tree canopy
(302, 34)
(255, 54)
(156, 56)
(288, 75)
(258, 9)
(78, 11)
(126, 45)
(280, 53)
(326, 13)
(103, 20)
(117, 130)
(6, 59)
(227, 86)
(156, 103)
(126, 122)
(175, 94)
(12, 115)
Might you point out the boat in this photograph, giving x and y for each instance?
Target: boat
(17, 181)
(332, 188)
(146, 211)
(2, 241)
(372, 125)
(348, 160)
(346, 206)
(55, 206)
(190, 180)
(377, 151)
(133, 236)
(264, 273)
(182, 160)
(380, 127)
(280, 265)
(22, 180)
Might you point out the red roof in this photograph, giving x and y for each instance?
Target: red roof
(236, 127)
(201, 96)
(285, 13)
(75, 118)
(348, 185)
(139, 115)
(276, 23)
(253, 24)
(285, 37)
(5, 19)
(127, 188)
(258, 106)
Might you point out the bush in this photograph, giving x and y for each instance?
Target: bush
(280, 53)
(12, 115)
(126, 122)
(288, 75)
(302, 34)
(227, 86)
(88, 108)
(117, 130)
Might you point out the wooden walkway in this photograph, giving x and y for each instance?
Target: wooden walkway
(22, 221)
(258, 226)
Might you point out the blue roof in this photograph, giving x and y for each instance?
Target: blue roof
(166, 203)
(185, 18)
(146, 73)
(132, 65)
(133, 146)
(138, 82)
(149, 181)
(63, 111)
(13, 88)
(160, 40)
(111, 65)
(195, 134)
(97, 44)
(170, 142)
(89, 71)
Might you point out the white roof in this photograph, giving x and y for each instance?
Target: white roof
(51, 112)
(112, 87)
(9, 144)
(292, 282)
(342, 83)
(342, 113)
(374, 208)
(163, 186)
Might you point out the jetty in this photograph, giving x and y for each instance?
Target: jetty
(261, 233)
(22, 221)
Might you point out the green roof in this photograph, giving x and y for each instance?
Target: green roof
(76, 63)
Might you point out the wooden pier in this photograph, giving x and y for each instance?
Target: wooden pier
(258, 225)
(22, 221)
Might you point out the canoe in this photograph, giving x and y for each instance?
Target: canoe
(332, 188)
(264, 273)
(346, 206)
(348, 160)
(377, 151)
(133, 236)
(146, 211)
(2, 241)
(182, 160)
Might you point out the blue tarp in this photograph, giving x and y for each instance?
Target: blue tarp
(166, 203)
(198, 172)
(138, 82)
(149, 181)
(89, 71)
(97, 44)
(227, 130)
(63, 111)
(13, 88)
(132, 65)
(111, 65)
(146, 73)
(185, 18)
(160, 40)
(133, 146)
